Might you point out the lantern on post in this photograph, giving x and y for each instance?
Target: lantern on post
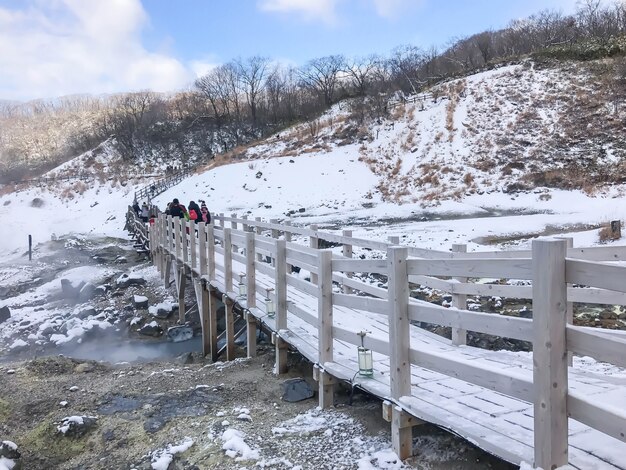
(241, 287)
(270, 311)
(366, 361)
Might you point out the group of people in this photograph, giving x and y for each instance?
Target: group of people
(143, 212)
(192, 212)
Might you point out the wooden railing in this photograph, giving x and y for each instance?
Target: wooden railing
(157, 187)
(557, 276)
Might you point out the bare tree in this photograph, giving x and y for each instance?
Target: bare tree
(251, 73)
(361, 72)
(322, 74)
(406, 63)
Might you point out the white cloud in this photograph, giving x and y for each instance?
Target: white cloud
(56, 47)
(392, 9)
(324, 10)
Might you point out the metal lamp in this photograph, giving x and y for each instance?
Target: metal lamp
(366, 361)
(270, 311)
(241, 287)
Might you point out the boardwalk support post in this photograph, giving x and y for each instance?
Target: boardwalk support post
(202, 297)
(550, 353)
(181, 282)
(399, 346)
(314, 243)
(212, 330)
(230, 326)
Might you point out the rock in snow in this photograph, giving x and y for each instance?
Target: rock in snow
(178, 334)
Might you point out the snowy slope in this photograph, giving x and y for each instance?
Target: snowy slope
(452, 155)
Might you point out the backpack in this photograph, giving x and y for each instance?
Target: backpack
(193, 215)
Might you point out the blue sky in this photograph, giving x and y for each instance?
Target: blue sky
(57, 47)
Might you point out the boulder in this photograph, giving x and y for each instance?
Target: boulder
(88, 311)
(151, 329)
(140, 301)
(77, 426)
(162, 310)
(178, 334)
(296, 390)
(87, 292)
(8, 450)
(71, 289)
(126, 280)
(5, 314)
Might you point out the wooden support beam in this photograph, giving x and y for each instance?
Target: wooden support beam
(281, 348)
(168, 270)
(213, 322)
(177, 239)
(230, 327)
(251, 334)
(402, 432)
(550, 353)
(202, 297)
(181, 284)
(459, 301)
(326, 390)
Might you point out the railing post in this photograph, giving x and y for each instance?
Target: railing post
(210, 243)
(550, 353)
(570, 305)
(346, 251)
(244, 226)
(274, 235)
(228, 260)
(313, 243)
(233, 225)
(202, 247)
(184, 235)
(288, 239)
(259, 231)
(192, 245)
(399, 344)
(250, 271)
(325, 325)
(459, 301)
(177, 238)
(280, 283)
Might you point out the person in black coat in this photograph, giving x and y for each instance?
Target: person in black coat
(176, 210)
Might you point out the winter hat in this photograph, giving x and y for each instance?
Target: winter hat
(175, 201)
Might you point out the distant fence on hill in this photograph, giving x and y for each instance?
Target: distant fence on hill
(157, 187)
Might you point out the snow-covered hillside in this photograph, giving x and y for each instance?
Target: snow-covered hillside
(436, 171)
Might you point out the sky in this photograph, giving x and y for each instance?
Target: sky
(51, 48)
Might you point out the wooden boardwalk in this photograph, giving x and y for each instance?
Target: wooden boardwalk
(522, 407)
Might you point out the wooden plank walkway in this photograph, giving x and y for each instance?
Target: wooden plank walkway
(488, 397)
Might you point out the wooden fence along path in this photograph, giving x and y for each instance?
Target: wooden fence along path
(522, 407)
(157, 187)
